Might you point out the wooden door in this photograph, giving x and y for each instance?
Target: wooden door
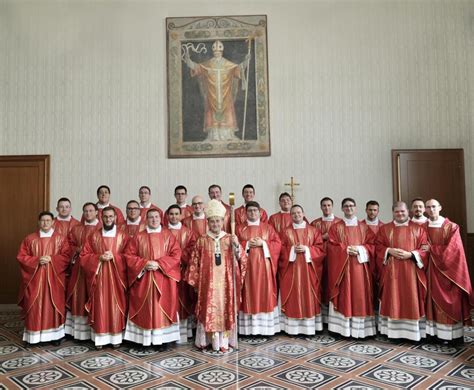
(24, 181)
(433, 173)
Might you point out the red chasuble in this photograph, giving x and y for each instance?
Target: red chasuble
(76, 296)
(323, 227)
(280, 222)
(106, 282)
(402, 283)
(300, 282)
(187, 296)
(350, 282)
(215, 308)
(374, 228)
(42, 287)
(144, 210)
(449, 286)
(259, 292)
(132, 230)
(153, 302)
(64, 227)
(198, 226)
(241, 215)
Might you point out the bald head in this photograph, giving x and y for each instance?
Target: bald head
(198, 205)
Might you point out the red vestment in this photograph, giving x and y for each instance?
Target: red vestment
(187, 296)
(241, 215)
(450, 296)
(42, 287)
(144, 210)
(106, 282)
(280, 222)
(215, 307)
(132, 230)
(300, 282)
(402, 283)
(198, 226)
(64, 227)
(324, 226)
(153, 302)
(76, 296)
(350, 282)
(259, 292)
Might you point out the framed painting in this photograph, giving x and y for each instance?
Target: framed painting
(217, 71)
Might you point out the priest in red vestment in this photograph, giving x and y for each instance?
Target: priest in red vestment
(215, 192)
(402, 260)
(350, 251)
(134, 222)
(259, 314)
(103, 195)
(104, 267)
(450, 297)
(300, 269)
(64, 222)
(198, 221)
(153, 268)
(144, 194)
(248, 193)
(44, 258)
(323, 224)
(187, 296)
(76, 317)
(211, 273)
(282, 220)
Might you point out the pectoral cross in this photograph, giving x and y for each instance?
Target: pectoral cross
(292, 185)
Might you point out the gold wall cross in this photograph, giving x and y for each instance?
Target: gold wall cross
(292, 185)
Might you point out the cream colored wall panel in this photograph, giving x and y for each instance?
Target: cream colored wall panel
(85, 81)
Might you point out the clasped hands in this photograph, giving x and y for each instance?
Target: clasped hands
(255, 242)
(399, 253)
(106, 256)
(151, 265)
(352, 250)
(300, 248)
(44, 260)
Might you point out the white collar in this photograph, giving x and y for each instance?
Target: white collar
(102, 206)
(401, 224)
(152, 230)
(301, 225)
(93, 223)
(137, 222)
(438, 223)
(221, 234)
(183, 206)
(109, 233)
(46, 234)
(256, 223)
(202, 216)
(284, 212)
(329, 218)
(175, 227)
(375, 222)
(67, 219)
(420, 221)
(146, 206)
(350, 222)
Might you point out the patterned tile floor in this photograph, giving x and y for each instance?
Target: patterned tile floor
(323, 361)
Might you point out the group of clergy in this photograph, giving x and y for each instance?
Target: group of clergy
(152, 277)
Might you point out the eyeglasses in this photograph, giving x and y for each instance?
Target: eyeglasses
(348, 206)
(196, 203)
(133, 208)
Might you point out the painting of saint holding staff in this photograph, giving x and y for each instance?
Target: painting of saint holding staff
(221, 103)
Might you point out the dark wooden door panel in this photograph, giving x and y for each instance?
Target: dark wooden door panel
(25, 192)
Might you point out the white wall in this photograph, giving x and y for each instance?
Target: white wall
(85, 82)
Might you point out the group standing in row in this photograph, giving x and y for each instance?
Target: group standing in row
(153, 276)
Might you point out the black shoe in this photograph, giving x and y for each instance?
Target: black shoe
(116, 346)
(57, 343)
(98, 347)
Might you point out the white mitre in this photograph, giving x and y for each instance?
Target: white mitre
(215, 209)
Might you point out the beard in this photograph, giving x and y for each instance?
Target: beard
(109, 227)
